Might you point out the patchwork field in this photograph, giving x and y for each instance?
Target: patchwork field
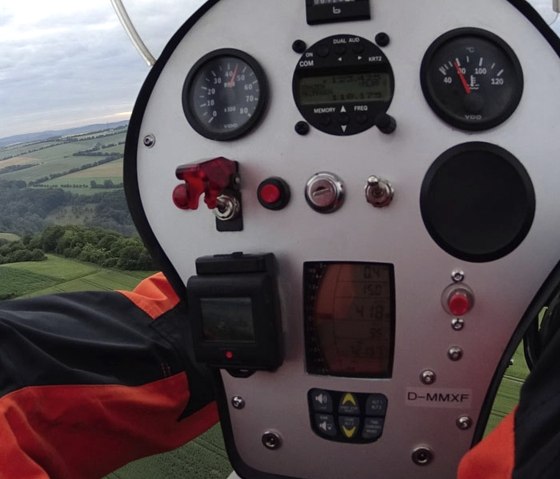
(39, 161)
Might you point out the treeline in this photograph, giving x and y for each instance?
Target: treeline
(25, 211)
(108, 158)
(18, 251)
(12, 168)
(92, 245)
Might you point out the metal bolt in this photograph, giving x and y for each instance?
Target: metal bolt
(272, 440)
(464, 423)
(228, 208)
(238, 402)
(149, 141)
(428, 377)
(422, 456)
(457, 276)
(455, 353)
(458, 324)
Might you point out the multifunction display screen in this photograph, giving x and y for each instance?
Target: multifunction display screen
(227, 319)
(349, 319)
(354, 87)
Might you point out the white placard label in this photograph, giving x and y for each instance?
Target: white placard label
(439, 398)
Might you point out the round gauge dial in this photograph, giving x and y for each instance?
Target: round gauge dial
(225, 94)
(472, 79)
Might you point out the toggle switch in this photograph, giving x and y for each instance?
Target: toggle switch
(210, 178)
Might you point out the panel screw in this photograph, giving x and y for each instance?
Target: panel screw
(299, 46)
(149, 141)
(455, 353)
(272, 440)
(458, 324)
(302, 128)
(238, 402)
(422, 456)
(457, 276)
(428, 377)
(464, 423)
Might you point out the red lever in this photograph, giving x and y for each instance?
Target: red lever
(210, 177)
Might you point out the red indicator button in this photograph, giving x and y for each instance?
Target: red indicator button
(458, 300)
(270, 193)
(273, 193)
(229, 355)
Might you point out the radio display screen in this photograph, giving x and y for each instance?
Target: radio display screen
(347, 88)
(349, 319)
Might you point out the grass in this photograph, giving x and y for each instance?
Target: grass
(60, 275)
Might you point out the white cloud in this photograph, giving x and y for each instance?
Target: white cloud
(68, 62)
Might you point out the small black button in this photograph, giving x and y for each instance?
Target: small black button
(373, 427)
(358, 48)
(321, 401)
(323, 51)
(326, 119)
(349, 426)
(349, 404)
(340, 49)
(361, 118)
(325, 424)
(376, 405)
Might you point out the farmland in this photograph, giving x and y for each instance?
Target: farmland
(36, 161)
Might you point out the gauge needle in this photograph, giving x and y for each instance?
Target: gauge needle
(231, 83)
(462, 78)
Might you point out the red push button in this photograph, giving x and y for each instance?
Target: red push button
(458, 300)
(273, 194)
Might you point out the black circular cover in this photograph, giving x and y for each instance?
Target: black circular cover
(477, 202)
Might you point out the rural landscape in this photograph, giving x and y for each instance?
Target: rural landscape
(65, 226)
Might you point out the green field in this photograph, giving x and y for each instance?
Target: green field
(54, 157)
(60, 275)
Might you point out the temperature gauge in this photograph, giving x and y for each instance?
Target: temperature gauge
(225, 94)
(472, 79)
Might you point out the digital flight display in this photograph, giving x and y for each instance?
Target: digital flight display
(349, 319)
(227, 319)
(344, 88)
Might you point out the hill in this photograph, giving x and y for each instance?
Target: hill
(45, 135)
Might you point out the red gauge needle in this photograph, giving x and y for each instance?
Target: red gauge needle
(231, 83)
(462, 77)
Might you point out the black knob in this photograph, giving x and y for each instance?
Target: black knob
(386, 123)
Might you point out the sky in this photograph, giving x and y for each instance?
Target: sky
(66, 63)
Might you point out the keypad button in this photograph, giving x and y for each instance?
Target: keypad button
(376, 405)
(321, 401)
(349, 405)
(325, 424)
(349, 426)
(373, 428)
